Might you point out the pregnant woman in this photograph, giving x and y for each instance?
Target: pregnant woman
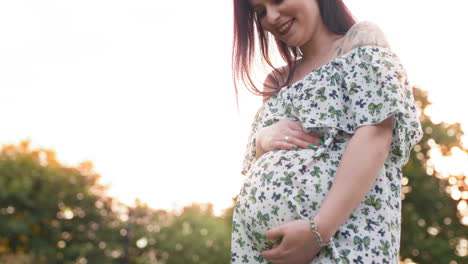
(324, 159)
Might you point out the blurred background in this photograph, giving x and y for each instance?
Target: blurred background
(121, 141)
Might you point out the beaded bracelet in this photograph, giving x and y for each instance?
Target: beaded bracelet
(317, 235)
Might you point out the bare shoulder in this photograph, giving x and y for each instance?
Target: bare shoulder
(272, 79)
(364, 33)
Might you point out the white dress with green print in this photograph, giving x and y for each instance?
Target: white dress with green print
(361, 87)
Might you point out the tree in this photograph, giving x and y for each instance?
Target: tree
(193, 235)
(57, 213)
(431, 223)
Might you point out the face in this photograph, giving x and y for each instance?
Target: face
(295, 22)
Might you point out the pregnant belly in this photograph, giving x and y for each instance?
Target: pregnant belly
(282, 186)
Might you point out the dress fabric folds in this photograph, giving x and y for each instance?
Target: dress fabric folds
(362, 87)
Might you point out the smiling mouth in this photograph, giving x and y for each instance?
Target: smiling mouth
(286, 27)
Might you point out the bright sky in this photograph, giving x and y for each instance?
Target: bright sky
(143, 88)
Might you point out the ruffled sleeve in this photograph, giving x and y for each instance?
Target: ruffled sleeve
(250, 151)
(376, 87)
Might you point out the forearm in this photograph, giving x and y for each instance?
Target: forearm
(361, 162)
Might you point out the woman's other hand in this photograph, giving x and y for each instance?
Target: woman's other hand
(284, 134)
(297, 245)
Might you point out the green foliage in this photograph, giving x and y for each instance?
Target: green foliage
(427, 208)
(55, 212)
(50, 213)
(193, 235)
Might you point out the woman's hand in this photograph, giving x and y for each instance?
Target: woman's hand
(298, 245)
(274, 137)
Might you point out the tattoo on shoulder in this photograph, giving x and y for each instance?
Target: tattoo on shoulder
(362, 34)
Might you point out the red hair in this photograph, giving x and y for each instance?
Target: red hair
(248, 32)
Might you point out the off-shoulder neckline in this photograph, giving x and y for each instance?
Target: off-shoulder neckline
(342, 56)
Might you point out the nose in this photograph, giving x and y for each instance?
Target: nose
(272, 15)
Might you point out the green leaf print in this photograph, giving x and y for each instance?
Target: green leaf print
(370, 223)
(291, 206)
(263, 218)
(373, 108)
(321, 95)
(414, 124)
(324, 157)
(308, 94)
(393, 88)
(344, 256)
(314, 206)
(259, 258)
(316, 172)
(353, 88)
(253, 223)
(363, 65)
(288, 109)
(368, 79)
(266, 165)
(298, 109)
(345, 109)
(334, 79)
(389, 203)
(235, 226)
(287, 179)
(243, 211)
(266, 178)
(318, 188)
(269, 123)
(329, 185)
(379, 92)
(240, 242)
(365, 211)
(275, 210)
(252, 195)
(353, 227)
(385, 245)
(377, 204)
(300, 196)
(381, 218)
(323, 116)
(334, 113)
(360, 242)
(298, 86)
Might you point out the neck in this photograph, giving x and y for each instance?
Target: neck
(321, 46)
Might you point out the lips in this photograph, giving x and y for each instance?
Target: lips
(283, 29)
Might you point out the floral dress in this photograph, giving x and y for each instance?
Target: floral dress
(362, 87)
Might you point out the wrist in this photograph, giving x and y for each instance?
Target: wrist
(323, 229)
